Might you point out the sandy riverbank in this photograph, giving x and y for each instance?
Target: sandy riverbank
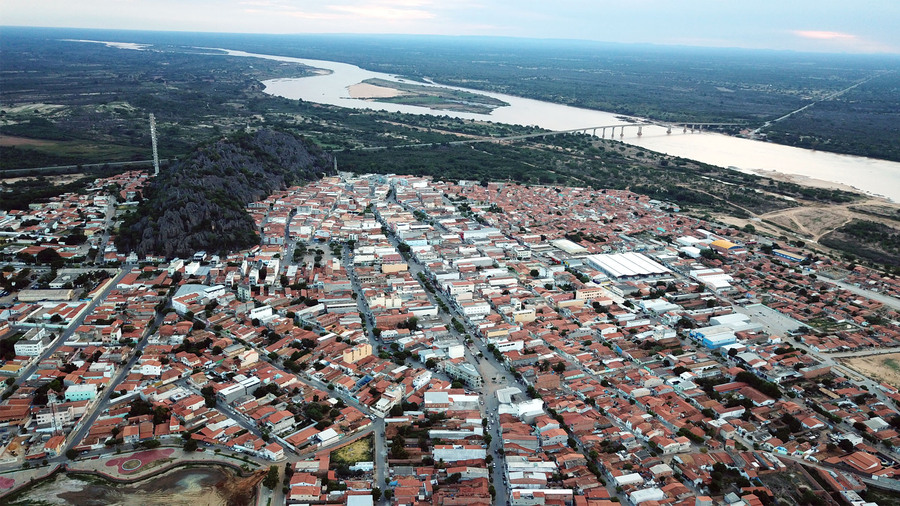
(365, 91)
(808, 181)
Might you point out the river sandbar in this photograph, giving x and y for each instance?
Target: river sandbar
(366, 90)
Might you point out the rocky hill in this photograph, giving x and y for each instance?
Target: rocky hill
(198, 204)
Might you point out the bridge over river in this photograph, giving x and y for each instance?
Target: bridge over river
(693, 127)
(685, 127)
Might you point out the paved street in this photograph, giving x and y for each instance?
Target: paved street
(99, 405)
(66, 334)
(226, 409)
(887, 300)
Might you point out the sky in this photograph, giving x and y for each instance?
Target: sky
(834, 26)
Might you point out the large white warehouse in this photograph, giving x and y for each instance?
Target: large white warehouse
(627, 265)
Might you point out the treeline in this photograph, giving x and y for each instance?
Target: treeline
(19, 194)
(869, 240)
(864, 121)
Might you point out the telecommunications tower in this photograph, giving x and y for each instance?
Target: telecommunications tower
(153, 140)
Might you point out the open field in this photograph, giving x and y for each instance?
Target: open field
(884, 368)
(792, 486)
(10, 140)
(827, 225)
(38, 108)
(357, 451)
(185, 487)
(55, 180)
(811, 222)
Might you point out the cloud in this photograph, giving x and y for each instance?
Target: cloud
(841, 41)
(824, 35)
(392, 11)
(349, 10)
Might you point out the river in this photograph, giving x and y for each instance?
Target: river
(873, 176)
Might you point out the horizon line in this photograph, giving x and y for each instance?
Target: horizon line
(465, 36)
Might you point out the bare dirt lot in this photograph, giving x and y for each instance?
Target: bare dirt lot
(885, 368)
(811, 220)
(814, 221)
(9, 140)
(56, 180)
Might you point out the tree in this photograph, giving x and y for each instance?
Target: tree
(71, 454)
(271, 479)
(376, 494)
(191, 446)
(50, 257)
(151, 444)
(846, 445)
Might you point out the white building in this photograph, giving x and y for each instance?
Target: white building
(33, 343)
(62, 416)
(475, 310)
(151, 368)
(453, 453)
(627, 265)
(647, 494)
(82, 392)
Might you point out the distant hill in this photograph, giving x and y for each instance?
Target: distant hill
(198, 204)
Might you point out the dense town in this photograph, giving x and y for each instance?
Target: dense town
(402, 340)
